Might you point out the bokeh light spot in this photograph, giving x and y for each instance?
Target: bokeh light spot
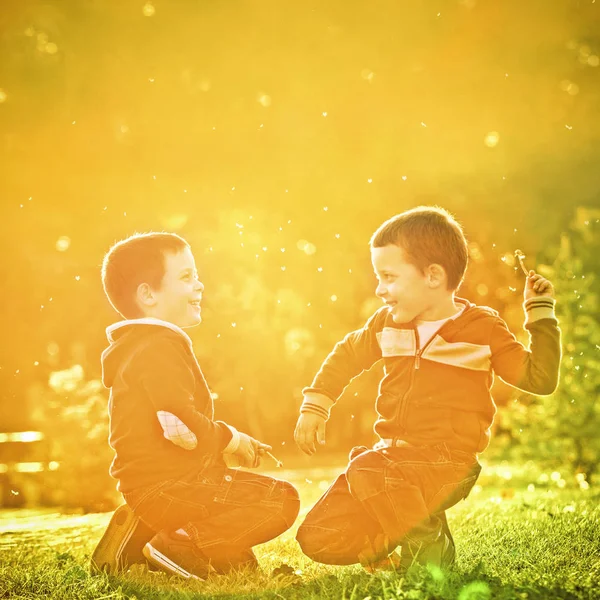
(491, 139)
(63, 243)
(264, 99)
(148, 9)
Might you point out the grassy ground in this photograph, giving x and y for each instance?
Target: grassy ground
(519, 543)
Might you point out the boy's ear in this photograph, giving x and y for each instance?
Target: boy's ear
(436, 275)
(144, 295)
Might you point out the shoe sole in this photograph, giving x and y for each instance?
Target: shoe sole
(164, 563)
(106, 556)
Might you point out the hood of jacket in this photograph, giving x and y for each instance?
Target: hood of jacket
(126, 337)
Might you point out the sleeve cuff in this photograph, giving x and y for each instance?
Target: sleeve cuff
(539, 308)
(317, 404)
(234, 443)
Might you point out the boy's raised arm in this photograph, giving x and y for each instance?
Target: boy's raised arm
(534, 370)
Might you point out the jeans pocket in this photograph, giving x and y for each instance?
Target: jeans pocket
(241, 488)
(451, 493)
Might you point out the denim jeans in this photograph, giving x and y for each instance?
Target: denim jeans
(224, 511)
(400, 492)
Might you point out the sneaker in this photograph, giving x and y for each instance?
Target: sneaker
(175, 553)
(375, 555)
(122, 543)
(441, 553)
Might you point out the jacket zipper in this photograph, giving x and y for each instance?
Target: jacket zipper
(404, 402)
(419, 351)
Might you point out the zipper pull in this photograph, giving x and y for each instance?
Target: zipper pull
(417, 360)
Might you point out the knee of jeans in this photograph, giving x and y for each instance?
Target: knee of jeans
(291, 503)
(310, 541)
(365, 475)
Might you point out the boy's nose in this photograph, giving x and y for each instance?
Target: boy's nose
(200, 286)
(380, 291)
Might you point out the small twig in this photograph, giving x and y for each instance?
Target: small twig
(279, 463)
(520, 257)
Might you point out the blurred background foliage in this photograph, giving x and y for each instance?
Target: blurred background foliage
(276, 138)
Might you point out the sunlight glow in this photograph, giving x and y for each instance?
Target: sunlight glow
(21, 436)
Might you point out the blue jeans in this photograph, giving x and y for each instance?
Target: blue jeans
(400, 492)
(224, 511)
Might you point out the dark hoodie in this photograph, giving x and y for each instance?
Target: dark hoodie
(149, 366)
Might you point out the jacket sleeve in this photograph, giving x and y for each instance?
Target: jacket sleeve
(357, 352)
(534, 370)
(169, 384)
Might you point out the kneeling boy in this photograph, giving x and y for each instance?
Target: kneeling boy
(185, 511)
(440, 354)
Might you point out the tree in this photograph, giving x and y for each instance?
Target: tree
(563, 428)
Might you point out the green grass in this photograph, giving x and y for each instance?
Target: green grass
(511, 543)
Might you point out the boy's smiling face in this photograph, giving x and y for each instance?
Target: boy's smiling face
(402, 286)
(178, 298)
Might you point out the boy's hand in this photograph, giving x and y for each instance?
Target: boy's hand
(309, 427)
(250, 451)
(537, 286)
(246, 451)
(260, 450)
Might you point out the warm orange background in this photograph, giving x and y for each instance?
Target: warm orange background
(274, 134)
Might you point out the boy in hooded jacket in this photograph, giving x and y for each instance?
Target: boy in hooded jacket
(186, 512)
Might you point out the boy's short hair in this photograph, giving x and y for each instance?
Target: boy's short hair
(428, 235)
(137, 259)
